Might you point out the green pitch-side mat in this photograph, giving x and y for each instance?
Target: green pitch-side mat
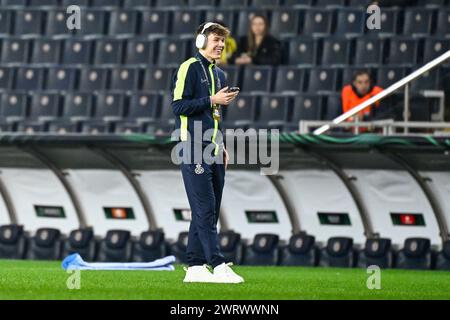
(47, 280)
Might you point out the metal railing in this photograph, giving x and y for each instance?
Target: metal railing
(386, 92)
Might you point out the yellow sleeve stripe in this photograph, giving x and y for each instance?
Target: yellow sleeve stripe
(181, 79)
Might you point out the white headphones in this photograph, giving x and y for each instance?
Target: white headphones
(202, 39)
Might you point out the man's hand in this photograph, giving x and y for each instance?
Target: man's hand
(226, 157)
(224, 98)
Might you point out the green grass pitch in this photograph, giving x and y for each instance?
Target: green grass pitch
(47, 280)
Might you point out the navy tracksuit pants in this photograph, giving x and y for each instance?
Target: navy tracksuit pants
(204, 185)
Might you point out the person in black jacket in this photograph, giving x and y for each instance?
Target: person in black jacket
(258, 47)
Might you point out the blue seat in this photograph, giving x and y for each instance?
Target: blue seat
(368, 51)
(46, 244)
(386, 76)
(225, 15)
(110, 106)
(154, 23)
(257, 78)
(185, 21)
(6, 17)
(172, 51)
(231, 246)
(143, 107)
(137, 3)
(61, 78)
(300, 251)
(78, 106)
(150, 246)
(77, 51)
(123, 22)
(157, 78)
(15, 50)
(285, 22)
(6, 78)
(46, 51)
(63, 127)
(416, 254)
(170, 3)
(140, 51)
(81, 241)
(14, 106)
(273, 110)
(178, 248)
(317, 22)
(29, 78)
(443, 22)
(377, 251)
(418, 21)
(336, 51)
(45, 106)
(322, 79)
(115, 247)
(56, 22)
(12, 242)
(339, 252)
(28, 22)
(124, 78)
(350, 22)
(403, 51)
(442, 257)
(306, 107)
(390, 18)
(289, 79)
(333, 106)
(105, 3)
(303, 51)
(263, 251)
(109, 51)
(93, 78)
(241, 112)
(93, 22)
(434, 47)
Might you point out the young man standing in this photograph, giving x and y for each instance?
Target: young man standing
(198, 92)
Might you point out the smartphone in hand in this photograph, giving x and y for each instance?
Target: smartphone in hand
(233, 89)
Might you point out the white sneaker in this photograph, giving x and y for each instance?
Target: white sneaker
(224, 274)
(198, 274)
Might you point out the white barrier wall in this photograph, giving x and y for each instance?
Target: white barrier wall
(323, 204)
(250, 196)
(108, 201)
(167, 197)
(4, 215)
(40, 199)
(389, 193)
(440, 186)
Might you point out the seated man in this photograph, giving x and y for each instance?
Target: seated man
(360, 90)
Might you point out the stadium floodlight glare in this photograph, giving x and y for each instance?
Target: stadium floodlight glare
(386, 92)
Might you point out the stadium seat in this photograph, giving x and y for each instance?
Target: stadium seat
(322, 79)
(81, 3)
(93, 78)
(125, 78)
(225, 15)
(273, 110)
(14, 106)
(285, 22)
(150, 246)
(61, 78)
(175, 4)
(336, 51)
(6, 16)
(302, 51)
(6, 77)
(330, 3)
(443, 23)
(46, 51)
(31, 127)
(368, 51)
(386, 76)
(263, 251)
(46, 244)
(238, 4)
(12, 242)
(172, 51)
(137, 3)
(298, 3)
(257, 79)
(115, 247)
(154, 23)
(63, 127)
(266, 3)
(403, 51)
(93, 22)
(45, 106)
(81, 241)
(110, 106)
(418, 21)
(123, 22)
(78, 106)
(157, 78)
(301, 251)
(389, 22)
(231, 246)
(428, 81)
(15, 50)
(43, 3)
(434, 47)
(376, 252)
(306, 107)
(140, 51)
(108, 51)
(95, 127)
(56, 22)
(77, 51)
(105, 3)
(143, 107)
(289, 80)
(185, 22)
(241, 112)
(442, 257)
(29, 78)
(317, 22)
(416, 254)
(350, 22)
(339, 252)
(28, 22)
(232, 75)
(432, 3)
(332, 106)
(203, 4)
(178, 249)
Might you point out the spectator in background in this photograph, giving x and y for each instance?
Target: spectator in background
(230, 47)
(258, 47)
(361, 89)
